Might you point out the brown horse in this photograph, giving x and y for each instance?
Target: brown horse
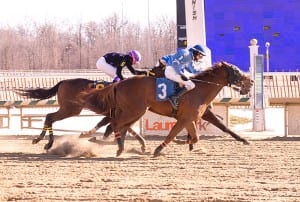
(67, 92)
(129, 100)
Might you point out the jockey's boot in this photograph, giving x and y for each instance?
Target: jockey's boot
(174, 99)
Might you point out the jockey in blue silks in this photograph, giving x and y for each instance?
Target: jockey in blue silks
(181, 66)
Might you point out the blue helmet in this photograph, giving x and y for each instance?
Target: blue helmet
(198, 49)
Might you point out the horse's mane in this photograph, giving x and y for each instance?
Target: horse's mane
(207, 71)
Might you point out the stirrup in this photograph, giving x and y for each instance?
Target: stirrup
(174, 102)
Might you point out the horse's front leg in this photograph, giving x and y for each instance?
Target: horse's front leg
(174, 131)
(101, 123)
(212, 118)
(189, 138)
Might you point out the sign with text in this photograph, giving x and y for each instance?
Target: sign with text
(154, 124)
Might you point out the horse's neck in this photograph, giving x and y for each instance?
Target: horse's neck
(208, 91)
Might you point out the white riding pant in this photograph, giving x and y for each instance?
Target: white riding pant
(106, 68)
(171, 74)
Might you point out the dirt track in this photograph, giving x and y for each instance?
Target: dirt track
(217, 170)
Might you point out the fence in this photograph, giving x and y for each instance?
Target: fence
(11, 80)
(281, 89)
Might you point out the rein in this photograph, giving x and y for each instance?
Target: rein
(213, 83)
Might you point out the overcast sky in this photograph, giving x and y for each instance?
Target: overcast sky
(15, 12)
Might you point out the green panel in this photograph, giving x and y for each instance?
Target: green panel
(225, 99)
(244, 99)
(2, 102)
(16, 103)
(35, 102)
(51, 102)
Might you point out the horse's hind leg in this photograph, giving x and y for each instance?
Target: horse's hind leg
(212, 118)
(101, 123)
(61, 114)
(47, 126)
(139, 138)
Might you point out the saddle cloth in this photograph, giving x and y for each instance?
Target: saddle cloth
(165, 88)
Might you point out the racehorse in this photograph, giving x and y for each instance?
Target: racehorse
(67, 92)
(130, 99)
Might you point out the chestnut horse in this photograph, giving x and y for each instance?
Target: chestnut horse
(67, 92)
(130, 99)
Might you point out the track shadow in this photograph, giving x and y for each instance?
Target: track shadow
(50, 157)
(277, 138)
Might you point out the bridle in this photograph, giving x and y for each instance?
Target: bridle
(233, 76)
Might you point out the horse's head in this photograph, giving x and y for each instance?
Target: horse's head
(158, 70)
(236, 78)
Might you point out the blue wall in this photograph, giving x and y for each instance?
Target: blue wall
(231, 24)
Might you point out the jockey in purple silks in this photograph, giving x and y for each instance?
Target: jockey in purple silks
(113, 63)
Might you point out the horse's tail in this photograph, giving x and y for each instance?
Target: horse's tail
(39, 93)
(99, 100)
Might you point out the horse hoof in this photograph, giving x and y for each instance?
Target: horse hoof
(191, 147)
(93, 139)
(246, 142)
(84, 135)
(35, 141)
(156, 154)
(157, 151)
(119, 152)
(47, 146)
(143, 148)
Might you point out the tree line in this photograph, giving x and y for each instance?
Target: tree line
(45, 46)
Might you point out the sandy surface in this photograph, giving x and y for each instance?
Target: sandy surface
(217, 170)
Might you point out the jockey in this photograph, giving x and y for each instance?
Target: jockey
(182, 65)
(113, 63)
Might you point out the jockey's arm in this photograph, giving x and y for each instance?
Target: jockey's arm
(132, 70)
(119, 73)
(187, 74)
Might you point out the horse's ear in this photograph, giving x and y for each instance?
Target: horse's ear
(161, 63)
(219, 64)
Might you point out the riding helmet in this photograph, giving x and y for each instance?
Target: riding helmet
(136, 56)
(198, 49)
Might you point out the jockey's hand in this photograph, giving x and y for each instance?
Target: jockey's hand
(150, 73)
(147, 73)
(183, 77)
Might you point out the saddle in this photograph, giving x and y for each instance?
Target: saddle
(98, 84)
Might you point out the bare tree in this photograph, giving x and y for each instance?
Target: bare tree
(50, 46)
